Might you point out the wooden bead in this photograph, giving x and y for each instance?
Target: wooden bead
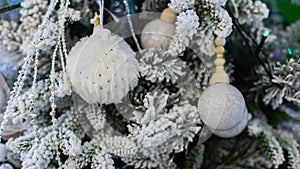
(219, 49)
(220, 41)
(220, 76)
(219, 62)
(168, 15)
(219, 55)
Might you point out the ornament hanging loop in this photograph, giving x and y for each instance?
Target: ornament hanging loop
(220, 76)
(96, 20)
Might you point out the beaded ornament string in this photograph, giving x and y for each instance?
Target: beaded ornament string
(131, 26)
(19, 84)
(33, 57)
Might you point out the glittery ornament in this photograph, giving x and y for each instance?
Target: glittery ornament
(221, 107)
(102, 68)
(158, 33)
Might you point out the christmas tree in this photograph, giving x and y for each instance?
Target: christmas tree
(211, 84)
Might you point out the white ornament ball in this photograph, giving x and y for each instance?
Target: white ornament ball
(6, 166)
(3, 152)
(157, 34)
(222, 107)
(102, 68)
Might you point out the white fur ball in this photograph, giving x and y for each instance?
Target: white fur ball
(102, 68)
(222, 107)
(157, 34)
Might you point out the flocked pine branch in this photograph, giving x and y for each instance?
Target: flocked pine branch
(159, 131)
(32, 13)
(186, 23)
(250, 12)
(286, 75)
(214, 21)
(292, 147)
(251, 15)
(269, 144)
(21, 110)
(37, 151)
(19, 36)
(157, 65)
(160, 127)
(92, 156)
(292, 127)
(273, 142)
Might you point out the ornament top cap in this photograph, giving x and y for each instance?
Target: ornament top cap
(168, 15)
(96, 20)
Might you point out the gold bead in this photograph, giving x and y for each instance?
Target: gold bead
(96, 19)
(219, 62)
(168, 15)
(219, 55)
(220, 41)
(219, 49)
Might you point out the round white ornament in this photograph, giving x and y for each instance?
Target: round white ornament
(3, 152)
(102, 68)
(159, 32)
(222, 107)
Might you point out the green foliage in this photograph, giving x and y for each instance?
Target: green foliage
(195, 158)
(271, 147)
(240, 152)
(292, 147)
(285, 84)
(273, 143)
(289, 10)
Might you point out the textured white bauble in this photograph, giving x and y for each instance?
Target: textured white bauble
(221, 107)
(6, 166)
(102, 68)
(3, 152)
(157, 34)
